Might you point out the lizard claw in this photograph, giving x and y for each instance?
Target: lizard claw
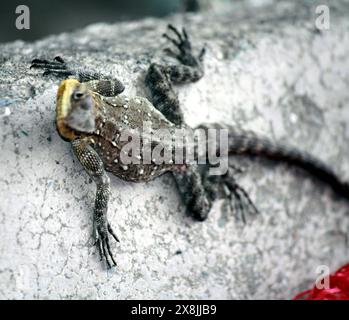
(103, 245)
(239, 201)
(57, 66)
(57, 62)
(242, 202)
(202, 53)
(182, 43)
(58, 59)
(111, 231)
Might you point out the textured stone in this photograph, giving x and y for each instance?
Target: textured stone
(267, 69)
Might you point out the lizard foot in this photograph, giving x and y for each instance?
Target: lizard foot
(56, 67)
(102, 231)
(239, 200)
(182, 42)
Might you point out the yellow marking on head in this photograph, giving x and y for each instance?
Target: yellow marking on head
(63, 106)
(64, 94)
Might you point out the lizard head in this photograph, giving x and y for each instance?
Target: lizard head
(75, 111)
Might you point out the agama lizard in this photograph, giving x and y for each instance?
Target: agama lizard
(92, 114)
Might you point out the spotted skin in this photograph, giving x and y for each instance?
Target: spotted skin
(93, 114)
(122, 115)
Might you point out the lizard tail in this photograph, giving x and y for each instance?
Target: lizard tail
(248, 143)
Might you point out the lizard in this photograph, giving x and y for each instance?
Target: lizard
(92, 113)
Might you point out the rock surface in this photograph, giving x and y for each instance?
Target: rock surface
(267, 69)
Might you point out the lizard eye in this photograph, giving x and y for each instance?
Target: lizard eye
(78, 95)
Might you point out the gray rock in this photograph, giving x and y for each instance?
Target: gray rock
(267, 69)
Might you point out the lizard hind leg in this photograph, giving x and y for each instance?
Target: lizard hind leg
(193, 193)
(226, 186)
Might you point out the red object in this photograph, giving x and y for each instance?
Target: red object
(338, 288)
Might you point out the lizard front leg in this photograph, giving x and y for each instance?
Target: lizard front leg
(93, 164)
(96, 81)
(160, 78)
